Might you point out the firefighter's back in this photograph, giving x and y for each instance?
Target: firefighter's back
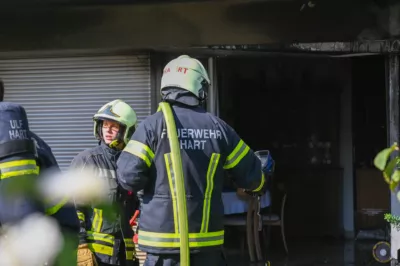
(18, 166)
(208, 146)
(205, 142)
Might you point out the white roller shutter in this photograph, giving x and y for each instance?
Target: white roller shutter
(61, 95)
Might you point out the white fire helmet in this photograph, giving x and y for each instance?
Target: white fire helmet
(186, 73)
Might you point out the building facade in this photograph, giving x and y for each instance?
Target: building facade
(64, 63)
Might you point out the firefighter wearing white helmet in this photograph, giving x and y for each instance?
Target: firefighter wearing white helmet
(179, 153)
(188, 74)
(105, 241)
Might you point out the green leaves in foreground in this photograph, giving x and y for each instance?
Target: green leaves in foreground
(382, 157)
(68, 254)
(393, 220)
(389, 167)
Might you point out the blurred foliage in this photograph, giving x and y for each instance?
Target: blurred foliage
(28, 187)
(393, 220)
(388, 161)
(24, 185)
(68, 255)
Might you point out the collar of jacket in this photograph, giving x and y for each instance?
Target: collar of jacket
(111, 152)
(177, 95)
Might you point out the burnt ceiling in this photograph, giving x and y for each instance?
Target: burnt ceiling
(88, 2)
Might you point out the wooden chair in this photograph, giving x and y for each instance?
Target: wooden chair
(244, 222)
(270, 218)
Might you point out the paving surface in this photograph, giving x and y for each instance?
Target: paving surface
(312, 253)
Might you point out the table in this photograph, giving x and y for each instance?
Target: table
(233, 204)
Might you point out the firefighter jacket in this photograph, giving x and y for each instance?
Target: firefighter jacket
(23, 155)
(208, 147)
(110, 240)
(65, 214)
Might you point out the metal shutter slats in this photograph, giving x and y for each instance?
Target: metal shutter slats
(61, 95)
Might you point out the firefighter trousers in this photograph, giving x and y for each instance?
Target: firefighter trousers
(213, 258)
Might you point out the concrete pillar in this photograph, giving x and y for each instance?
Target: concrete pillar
(392, 107)
(212, 100)
(346, 159)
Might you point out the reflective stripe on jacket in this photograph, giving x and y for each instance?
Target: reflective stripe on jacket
(17, 174)
(106, 237)
(58, 208)
(208, 148)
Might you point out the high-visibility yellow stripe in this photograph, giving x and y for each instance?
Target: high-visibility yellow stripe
(130, 249)
(18, 168)
(19, 173)
(81, 216)
(236, 155)
(129, 243)
(261, 184)
(212, 167)
(140, 150)
(17, 163)
(176, 235)
(56, 207)
(169, 240)
(177, 244)
(100, 237)
(171, 181)
(97, 220)
(101, 249)
(129, 254)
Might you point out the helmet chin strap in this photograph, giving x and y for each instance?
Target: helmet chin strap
(203, 91)
(117, 144)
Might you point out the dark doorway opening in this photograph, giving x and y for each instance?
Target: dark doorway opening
(372, 196)
(291, 106)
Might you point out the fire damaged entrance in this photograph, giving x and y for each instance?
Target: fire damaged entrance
(291, 106)
(315, 115)
(323, 117)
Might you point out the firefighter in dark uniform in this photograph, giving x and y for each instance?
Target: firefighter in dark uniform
(18, 164)
(110, 241)
(25, 156)
(208, 148)
(65, 214)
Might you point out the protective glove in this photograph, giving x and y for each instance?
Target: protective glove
(86, 256)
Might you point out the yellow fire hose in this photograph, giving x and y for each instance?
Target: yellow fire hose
(179, 182)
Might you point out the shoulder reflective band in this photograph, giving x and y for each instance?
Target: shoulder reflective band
(237, 155)
(140, 150)
(212, 167)
(180, 185)
(14, 147)
(166, 240)
(18, 168)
